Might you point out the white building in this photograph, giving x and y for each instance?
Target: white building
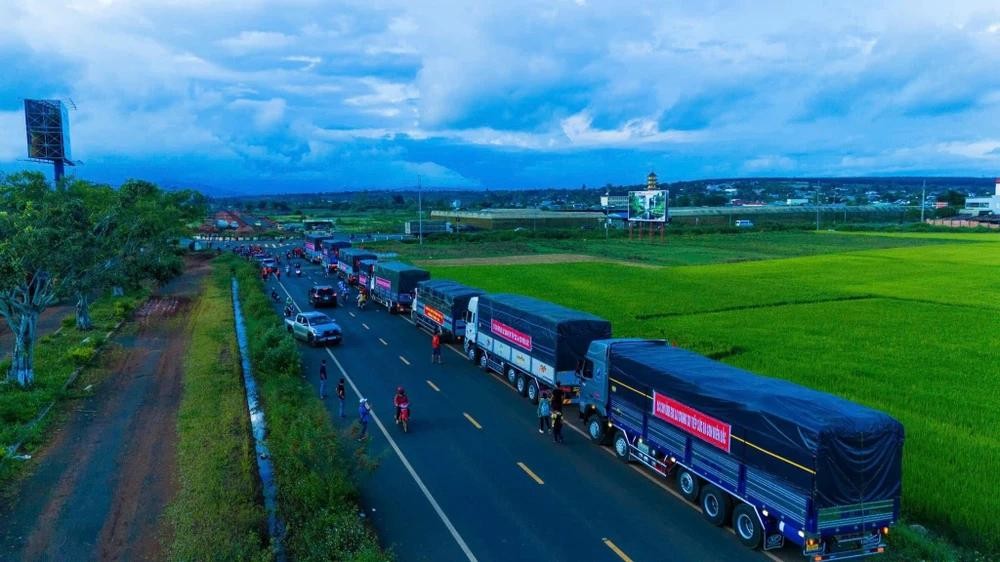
(976, 206)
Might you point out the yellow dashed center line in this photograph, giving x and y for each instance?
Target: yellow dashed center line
(383, 341)
(403, 359)
(528, 471)
(472, 420)
(616, 550)
(434, 386)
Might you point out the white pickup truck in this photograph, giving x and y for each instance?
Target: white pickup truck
(314, 327)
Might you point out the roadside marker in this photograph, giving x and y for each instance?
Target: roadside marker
(472, 420)
(434, 386)
(403, 359)
(383, 341)
(527, 470)
(366, 326)
(614, 548)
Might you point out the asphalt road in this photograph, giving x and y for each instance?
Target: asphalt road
(474, 480)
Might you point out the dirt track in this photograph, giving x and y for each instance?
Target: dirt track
(98, 490)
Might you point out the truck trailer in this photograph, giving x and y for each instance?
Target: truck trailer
(440, 306)
(365, 271)
(537, 345)
(776, 460)
(394, 284)
(347, 262)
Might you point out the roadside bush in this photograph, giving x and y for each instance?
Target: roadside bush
(279, 354)
(80, 355)
(68, 322)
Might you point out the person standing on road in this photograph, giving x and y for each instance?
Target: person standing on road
(557, 425)
(544, 413)
(436, 347)
(557, 399)
(364, 413)
(322, 378)
(341, 394)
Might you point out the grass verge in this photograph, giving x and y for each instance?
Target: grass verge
(57, 355)
(317, 498)
(216, 514)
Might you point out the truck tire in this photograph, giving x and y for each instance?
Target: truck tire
(484, 362)
(511, 375)
(621, 446)
(521, 384)
(747, 526)
(470, 352)
(533, 392)
(597, 429)
(688, 484)
(715, 505)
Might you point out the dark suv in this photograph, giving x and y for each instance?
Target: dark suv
(323, 295)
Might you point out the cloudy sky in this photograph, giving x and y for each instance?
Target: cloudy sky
(300, 95)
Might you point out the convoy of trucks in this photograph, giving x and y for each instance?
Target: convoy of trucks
(393, 284)
(440, 306)
(777, 461)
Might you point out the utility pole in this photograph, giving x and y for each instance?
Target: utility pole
(923, 200)
(817, 208)
(420, 212)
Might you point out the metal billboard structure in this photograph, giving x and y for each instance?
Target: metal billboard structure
(47, 126)
(647, 206)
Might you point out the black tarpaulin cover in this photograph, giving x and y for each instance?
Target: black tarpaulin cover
(351, 256)
(559, 336)
(448, 294)
(403, 277)
(855, 451)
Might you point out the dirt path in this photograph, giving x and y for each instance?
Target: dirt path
(99, 489)
(528, 259)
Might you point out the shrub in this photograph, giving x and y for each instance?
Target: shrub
(82, 354)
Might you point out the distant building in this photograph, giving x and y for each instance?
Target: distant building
(427, 227)
(977, 206)
(651, 183)
(795, 202)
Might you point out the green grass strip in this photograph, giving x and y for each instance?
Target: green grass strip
(216, 514)
(317, 498)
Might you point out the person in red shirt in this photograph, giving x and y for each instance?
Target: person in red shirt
(436, 348)
(399, 400)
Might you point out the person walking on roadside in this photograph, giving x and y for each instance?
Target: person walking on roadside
(544, 413)
(341, 395)
(557, 399)
(322, 378)
(557, 425)
(364, 413)
(436, 347)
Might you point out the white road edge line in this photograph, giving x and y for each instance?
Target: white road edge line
(406, 463)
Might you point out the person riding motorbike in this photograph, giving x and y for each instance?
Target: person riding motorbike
(288, 269)
(288, 310)
(274, 295)
(362, 298)
(399, 401)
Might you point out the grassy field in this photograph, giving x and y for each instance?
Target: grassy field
(215, 515)
(912, 329)
(686, 249)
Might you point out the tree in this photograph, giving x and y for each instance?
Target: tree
(34, 220)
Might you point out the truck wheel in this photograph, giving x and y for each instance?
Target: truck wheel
(533, 392)
(511, 375)
(597, 429)
(484, 362)
(621, 446)
(470, 352)
(689, 485)
(747, 526)
(521, 385)
(715, 505)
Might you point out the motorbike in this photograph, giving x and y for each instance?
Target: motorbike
(404, 417)
(288, 311)
(298, 271)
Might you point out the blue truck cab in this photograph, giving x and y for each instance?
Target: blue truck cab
(776, 460)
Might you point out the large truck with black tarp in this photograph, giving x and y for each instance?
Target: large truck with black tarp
(331, 251)
(440, 306)
(776, 460)
(536, 345)
(366, 273)
(347, 262)
(394, 283)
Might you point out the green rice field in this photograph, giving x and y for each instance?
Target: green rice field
(912, 329)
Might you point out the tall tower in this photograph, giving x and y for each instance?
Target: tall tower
(651, 183)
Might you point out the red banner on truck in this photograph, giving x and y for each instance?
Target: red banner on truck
(383, 283)
(700, 425)
(510, 334)
(434, 314)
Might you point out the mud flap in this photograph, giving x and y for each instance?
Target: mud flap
(774, 541)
